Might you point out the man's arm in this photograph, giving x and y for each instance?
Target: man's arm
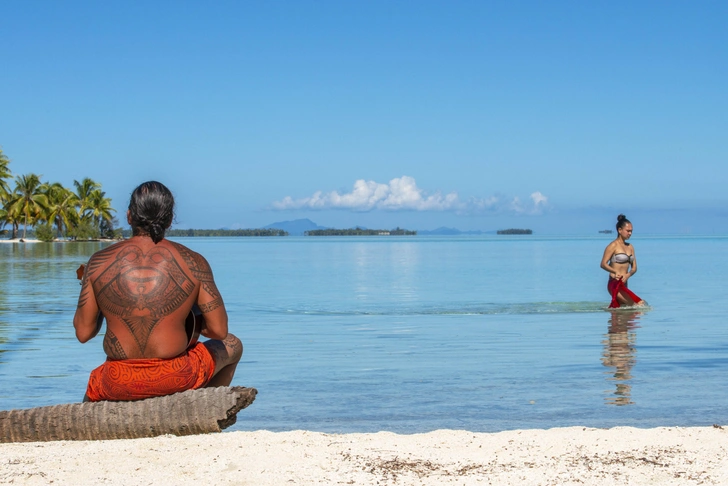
(88, 318)
(210, 303)
(209, 299)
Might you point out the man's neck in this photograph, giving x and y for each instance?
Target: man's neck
(143, 237)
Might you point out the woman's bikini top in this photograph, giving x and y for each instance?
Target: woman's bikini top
(622, 258)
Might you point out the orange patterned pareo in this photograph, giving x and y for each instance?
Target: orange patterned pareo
(136, 379)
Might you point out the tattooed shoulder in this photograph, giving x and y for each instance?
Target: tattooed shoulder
(194, 260)
(199, 268)
(100, 258)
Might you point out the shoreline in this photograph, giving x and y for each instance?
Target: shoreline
(30, 240)
(571, 455)
(17, 240)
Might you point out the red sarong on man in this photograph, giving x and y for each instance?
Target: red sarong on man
(615, 286)
(137, 379)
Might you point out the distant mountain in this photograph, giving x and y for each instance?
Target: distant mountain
(295, 227)
(452, 231)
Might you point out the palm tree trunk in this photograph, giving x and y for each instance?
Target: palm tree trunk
(59, 225)
(192, 412)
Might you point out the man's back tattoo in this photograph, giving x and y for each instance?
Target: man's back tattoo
(140, 288)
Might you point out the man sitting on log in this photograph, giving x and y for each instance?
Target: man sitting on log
(146, 288)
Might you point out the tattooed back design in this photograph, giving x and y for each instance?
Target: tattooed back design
(140, 288)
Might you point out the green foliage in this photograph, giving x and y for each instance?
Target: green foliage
(4, 172)
(84, 230)
(30, 200)
(44, 232)
(107, 228)
(85, 214)
(62, 204)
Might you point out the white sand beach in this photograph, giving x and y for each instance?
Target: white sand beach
(27, 240)
(565, 456)
(31, 240)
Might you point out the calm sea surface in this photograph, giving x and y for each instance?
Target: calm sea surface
(412, 334)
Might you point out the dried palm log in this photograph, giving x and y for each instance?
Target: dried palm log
(191, 412)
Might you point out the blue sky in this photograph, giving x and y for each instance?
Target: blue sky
(483, 115)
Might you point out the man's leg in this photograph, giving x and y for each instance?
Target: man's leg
(226, 354)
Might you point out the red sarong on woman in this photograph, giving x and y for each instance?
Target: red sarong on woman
(615, 286)
(137, 379)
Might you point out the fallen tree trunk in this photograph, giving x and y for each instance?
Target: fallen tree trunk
(191, 412)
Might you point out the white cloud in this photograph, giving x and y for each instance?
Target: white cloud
(403, 194)
(539, 199)
(399, 194)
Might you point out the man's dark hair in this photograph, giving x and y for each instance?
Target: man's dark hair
(152, 210)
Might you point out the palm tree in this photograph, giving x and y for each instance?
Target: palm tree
(84, 189)
(62, 205)
(4, 173)
(199, 411)
(99, 207)
(9, 214)
(3, 212)
(4, 189)
(29, 200)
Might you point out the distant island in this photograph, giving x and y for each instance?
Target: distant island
(226, 232)
(359, 232)
(606, 232)
(297, 227)
(306, 227)
(444, 231)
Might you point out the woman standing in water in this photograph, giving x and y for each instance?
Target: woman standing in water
(620, 261)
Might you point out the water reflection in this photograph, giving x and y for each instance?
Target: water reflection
(619, 353)
(379, 262)
(38, 291)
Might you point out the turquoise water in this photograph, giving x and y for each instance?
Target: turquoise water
(411, 334)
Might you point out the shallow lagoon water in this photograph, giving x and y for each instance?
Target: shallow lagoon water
(412, 334)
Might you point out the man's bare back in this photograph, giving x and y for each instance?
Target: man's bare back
(145, 287)
(145, 291)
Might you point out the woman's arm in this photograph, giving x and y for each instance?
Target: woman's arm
(632, 270)
(608, 252)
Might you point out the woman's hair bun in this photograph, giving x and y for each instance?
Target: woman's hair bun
(622, 221)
